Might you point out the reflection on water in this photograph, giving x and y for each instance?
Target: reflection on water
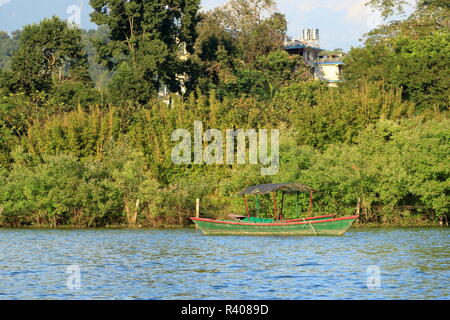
(182, 264)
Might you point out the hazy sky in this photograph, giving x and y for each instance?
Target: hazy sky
(341, 22)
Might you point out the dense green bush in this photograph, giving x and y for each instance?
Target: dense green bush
(72, 154)
(92, 169)
(392, 164)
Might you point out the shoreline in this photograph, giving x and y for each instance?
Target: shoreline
(370, 225)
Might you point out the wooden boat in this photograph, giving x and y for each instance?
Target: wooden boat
(246, 225)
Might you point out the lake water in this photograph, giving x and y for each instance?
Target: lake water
(177, 264)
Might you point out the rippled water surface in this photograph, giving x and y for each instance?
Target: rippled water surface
(414, 263)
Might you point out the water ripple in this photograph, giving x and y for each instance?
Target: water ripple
(414, 263)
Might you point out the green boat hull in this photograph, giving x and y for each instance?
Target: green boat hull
(269, 220)
(313, 227)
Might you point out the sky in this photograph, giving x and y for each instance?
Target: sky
(341, 23)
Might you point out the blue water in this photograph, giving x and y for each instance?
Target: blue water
(413, 263)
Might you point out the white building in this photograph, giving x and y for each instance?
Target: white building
(324, 67)
(328, 68)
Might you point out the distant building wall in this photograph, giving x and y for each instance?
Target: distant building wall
(329, 72)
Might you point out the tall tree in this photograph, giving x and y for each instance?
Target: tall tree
(229, 45)
(251, 21)
(49, 52)
(7, 47)
(411, 54)
(389, 8)
(146, 37)
(215, 54)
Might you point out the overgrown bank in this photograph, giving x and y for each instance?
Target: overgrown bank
(96, 168)
(77, 154)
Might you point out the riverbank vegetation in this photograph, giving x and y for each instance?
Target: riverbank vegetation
(85, 140)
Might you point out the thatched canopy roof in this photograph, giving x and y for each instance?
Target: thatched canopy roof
(293, 187)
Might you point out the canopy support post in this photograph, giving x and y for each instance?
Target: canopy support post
(310, 203)
(296, 207)
(274, 204)
(246, 208)
(282, 201)
(257, 204)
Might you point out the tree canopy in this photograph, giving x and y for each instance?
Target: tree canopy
(411, 54)
(145, 39)
(49, 52)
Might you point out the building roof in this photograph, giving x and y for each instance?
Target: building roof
(330, 63)
(293, 187)
(300, 46)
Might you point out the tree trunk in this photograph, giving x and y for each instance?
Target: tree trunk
(131, 214)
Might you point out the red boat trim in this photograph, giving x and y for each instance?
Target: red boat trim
(275, 223)
(310, 218)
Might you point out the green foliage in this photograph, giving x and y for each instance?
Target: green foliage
(48, 52)
(417, 66)
(100, 75)
(123, 174)
(72, 154)
(250, 21)
(391, 7)
(63, 190)
(411, 54)
(144, 41)
(302, 92)
(215, 55)
(391, 164)
(77, 133)
(71, 94)
(229, 55)
(127, 86)
(388, 7)
(7, 47)
(248, 82)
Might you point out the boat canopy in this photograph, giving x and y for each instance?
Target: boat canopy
(293, 187)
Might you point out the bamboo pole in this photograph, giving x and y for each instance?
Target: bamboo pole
(197, 210)
(257, 205)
